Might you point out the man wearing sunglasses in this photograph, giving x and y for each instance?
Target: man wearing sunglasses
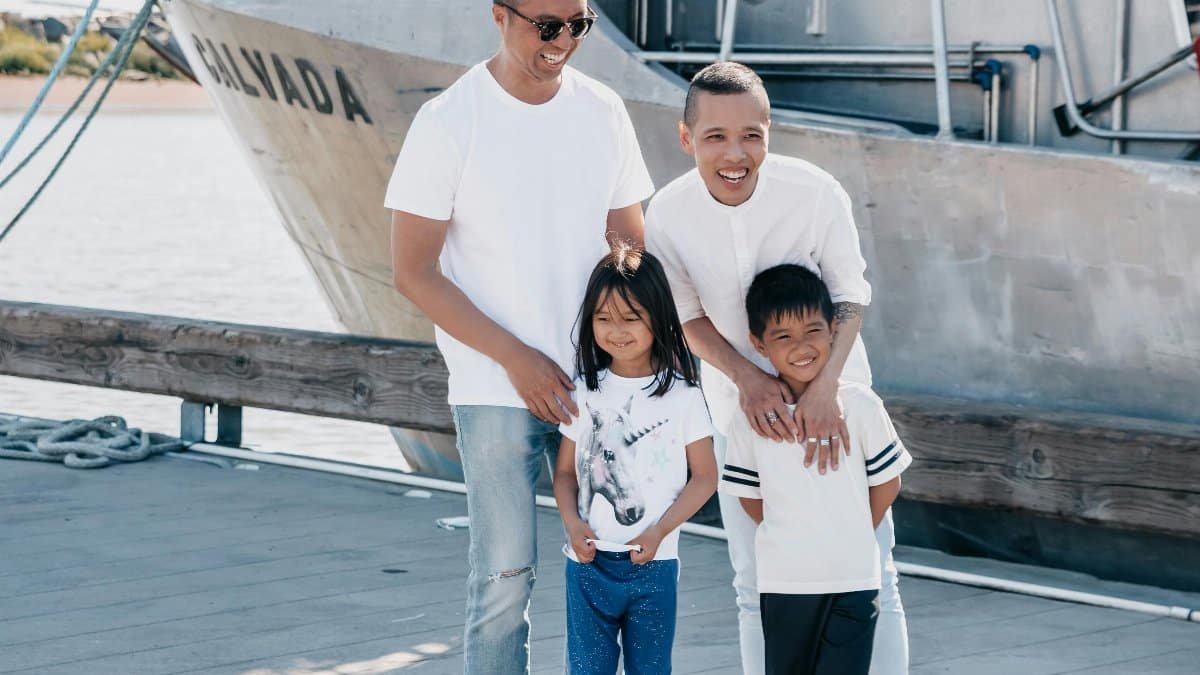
(511, 179)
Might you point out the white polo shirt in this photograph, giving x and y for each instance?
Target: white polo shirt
(527, 190)
(816, 534)
(711, 252)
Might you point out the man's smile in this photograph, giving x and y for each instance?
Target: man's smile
(734, 176)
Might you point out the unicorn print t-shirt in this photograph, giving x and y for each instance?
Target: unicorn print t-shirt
(631, 454)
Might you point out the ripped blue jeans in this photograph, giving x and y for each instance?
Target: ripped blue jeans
(503, 451)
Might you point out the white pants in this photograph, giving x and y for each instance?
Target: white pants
(890, 654)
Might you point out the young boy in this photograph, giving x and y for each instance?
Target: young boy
(740, 211)
(818, 563)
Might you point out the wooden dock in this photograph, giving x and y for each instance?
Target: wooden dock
(178, 566)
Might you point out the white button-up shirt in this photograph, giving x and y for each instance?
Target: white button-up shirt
(712, 252)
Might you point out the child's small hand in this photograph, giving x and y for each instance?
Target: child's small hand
(579, 533)
(648, 541)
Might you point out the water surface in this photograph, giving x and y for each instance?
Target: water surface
(158, 213)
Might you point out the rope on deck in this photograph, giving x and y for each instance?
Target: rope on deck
(81, 444)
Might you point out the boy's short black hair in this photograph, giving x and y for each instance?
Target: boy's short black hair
(722, 77)
(786, 290)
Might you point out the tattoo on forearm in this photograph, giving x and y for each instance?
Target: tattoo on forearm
(844, 311)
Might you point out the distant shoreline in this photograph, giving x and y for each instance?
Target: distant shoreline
(17, 92)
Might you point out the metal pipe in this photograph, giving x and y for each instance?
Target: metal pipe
(994, 118)
(806, 59)
(1063, 119)
(643, 21)
(670, 18)
(1120, 39)
(707, 531)
(861, 75)
(1035, 61)
(1179, 21)
(719, 21)
(987, 115)
(817, 10)
(1125, 85)
(866, 49)
(631, 23)
(1071, 109)
(941, 68)
(727, 29)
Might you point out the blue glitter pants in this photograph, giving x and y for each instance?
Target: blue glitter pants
(614, 606)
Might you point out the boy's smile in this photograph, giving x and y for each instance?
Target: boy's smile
(797, 346)
(729, 141)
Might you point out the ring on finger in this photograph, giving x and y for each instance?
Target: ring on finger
(824, 441)
(772, 418)
(812, 439)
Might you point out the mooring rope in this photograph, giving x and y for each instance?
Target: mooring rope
(80, 29)
(81, 444)
(113, 54)
(120, 54)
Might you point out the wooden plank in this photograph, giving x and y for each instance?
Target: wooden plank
(392, 382)
(954, 643)
(213, 557)
(1056, 653)
(1179, 661)
(1085, 468)
(429, 585)
(331, 606)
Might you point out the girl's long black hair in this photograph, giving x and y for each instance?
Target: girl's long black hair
(637, 276)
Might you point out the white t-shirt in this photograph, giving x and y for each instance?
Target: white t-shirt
(631, 454)
(527, 190)
(816, 534)
(711, 252)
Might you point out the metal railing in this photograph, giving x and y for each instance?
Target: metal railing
(1074, 113)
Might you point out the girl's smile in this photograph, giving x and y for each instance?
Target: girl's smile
(622, 332)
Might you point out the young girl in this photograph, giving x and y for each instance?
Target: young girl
(635, 464)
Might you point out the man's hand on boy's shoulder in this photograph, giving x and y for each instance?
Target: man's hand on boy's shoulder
(764, 400)
(819, 415)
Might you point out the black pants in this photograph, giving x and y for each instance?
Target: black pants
(829, 634)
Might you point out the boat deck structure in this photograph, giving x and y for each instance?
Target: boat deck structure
(173, 565)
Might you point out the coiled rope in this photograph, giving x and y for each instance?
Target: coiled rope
(115, 63)
(81, 444)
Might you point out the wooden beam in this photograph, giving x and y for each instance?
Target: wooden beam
(1081, 467)
(1112, 471)
(391, 382)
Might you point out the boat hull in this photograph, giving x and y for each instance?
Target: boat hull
(1008, 274)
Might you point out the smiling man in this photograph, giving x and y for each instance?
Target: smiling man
(740, 211)
(503, 195)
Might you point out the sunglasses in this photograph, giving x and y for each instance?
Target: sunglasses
(549, 30)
